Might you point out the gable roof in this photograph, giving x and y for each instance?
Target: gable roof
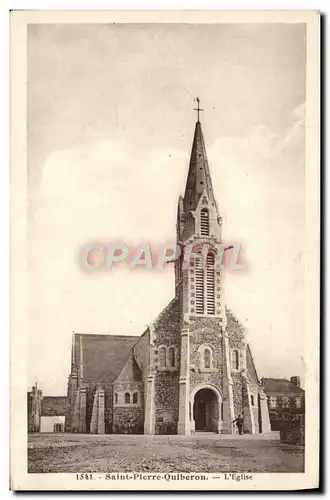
(52, 406)
(233, 324)
(101, 358)
(130, 371)
(280, 386)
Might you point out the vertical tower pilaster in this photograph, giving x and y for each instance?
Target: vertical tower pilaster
(97, 422)
(264, 413)
(149, 391)
(82, 410)
(249, 421)
(149, 418)
(184, 417)
(228, 401)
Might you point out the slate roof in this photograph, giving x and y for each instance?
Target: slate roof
(52, 406)
(280, 386)
(130, 371)
(103, 356)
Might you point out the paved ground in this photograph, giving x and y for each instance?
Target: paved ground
(199, 453)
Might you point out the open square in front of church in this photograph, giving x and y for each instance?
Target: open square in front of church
(203, 452)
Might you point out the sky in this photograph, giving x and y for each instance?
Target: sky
(110, 128)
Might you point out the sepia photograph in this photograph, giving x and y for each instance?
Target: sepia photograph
(170, 332)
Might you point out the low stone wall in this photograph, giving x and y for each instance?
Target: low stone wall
(293, 431)
(166, 428)
(127, 420)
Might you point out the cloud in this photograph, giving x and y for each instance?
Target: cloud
(105, 192)
(260, 189)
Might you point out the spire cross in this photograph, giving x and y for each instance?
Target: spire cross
(198, 109)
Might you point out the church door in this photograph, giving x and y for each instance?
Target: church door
(200, 415)
(205, 411)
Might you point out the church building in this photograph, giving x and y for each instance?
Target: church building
(192, 369)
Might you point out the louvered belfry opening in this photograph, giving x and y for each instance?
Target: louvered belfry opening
(205, 222)
(210, 285)
(199, 275)
(205, 284)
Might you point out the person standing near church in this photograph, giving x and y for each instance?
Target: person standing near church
(239, 423)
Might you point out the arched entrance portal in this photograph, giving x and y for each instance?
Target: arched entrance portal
(206, 404)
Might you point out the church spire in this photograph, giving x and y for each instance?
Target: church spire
(199, 179)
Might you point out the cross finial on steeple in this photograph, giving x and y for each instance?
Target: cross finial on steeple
(198, 109)
(199, 178)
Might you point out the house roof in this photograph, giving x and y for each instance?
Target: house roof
(280, 386)
(52, 406)
(100, 358)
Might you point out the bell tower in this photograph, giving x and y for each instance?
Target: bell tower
(198, 282)
(200, 292)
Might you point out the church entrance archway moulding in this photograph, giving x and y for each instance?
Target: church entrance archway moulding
(205, 409)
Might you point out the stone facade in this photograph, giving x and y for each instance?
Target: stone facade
(192, 369)
(128, 421)
(166, 342)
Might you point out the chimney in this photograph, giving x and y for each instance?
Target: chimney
(295, 381)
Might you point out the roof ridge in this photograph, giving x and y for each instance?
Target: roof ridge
(278, 378)
(108, 335)
(45, 397)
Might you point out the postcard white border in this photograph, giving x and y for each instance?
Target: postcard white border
(20, 479)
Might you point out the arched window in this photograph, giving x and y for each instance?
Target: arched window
(199, 275)
(171, 357)
(210, 285)
(116, 398)
(135, 398)
(252, 400)
(207, 358)
(205, 222)
(235, 359)
(127, 398)
(162, 357)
